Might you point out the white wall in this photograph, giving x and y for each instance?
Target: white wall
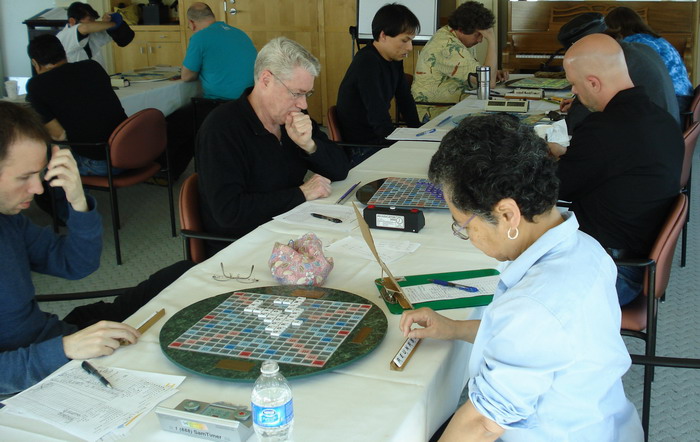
(13, 34)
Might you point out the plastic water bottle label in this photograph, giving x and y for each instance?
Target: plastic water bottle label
(273, 416)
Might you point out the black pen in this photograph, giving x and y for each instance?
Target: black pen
(327, 218)
(93, 371)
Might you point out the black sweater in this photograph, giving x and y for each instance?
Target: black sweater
(365, 94)
(247, 176)
(622, 172)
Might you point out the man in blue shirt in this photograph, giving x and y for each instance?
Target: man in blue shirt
(33, 343)
(220, 55)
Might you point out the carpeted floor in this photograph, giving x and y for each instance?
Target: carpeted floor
(147, 246)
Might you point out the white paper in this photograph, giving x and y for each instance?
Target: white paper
(554, 133)
(434, 292)
(78, 403)
(55, 14)
(302, 214)
(389, 251)
(413, 134)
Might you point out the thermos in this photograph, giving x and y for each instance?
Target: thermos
(483, 82)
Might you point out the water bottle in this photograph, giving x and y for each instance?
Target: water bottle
(483, 82)
(271, 403)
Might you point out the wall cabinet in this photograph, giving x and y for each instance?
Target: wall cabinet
(152, 45)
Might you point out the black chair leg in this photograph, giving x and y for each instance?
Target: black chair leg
(646, 400)
(170, 194)
(684, 239)
(115, 222)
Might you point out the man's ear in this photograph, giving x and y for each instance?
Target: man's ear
(72, 21)
(594, 83)
(266, 77)
(37, 66)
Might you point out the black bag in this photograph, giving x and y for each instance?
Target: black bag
(123, 35)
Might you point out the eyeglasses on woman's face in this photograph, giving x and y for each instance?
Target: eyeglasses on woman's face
(458, 230)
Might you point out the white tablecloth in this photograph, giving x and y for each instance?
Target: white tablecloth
(166, 96)
(362, 401)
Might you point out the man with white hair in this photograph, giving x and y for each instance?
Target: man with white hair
(253, 153)
(622, 169)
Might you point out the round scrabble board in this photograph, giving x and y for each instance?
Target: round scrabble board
(307, 330)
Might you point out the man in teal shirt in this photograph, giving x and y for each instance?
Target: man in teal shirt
(221, 56)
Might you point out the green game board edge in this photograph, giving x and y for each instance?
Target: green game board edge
(474, 301)
(291, 371)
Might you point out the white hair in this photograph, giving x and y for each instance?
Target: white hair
(281, 56)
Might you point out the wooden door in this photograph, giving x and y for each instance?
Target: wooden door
(295, 19)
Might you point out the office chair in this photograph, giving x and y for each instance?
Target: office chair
(639, 318)
(690, 138)
(192, 231)
(693, 113)
(134, 146)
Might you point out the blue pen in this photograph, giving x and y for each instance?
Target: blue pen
(425, 132)
(445, 120)
(466, 288)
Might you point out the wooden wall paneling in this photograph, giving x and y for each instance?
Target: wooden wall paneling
(295, 19)
(338, 16)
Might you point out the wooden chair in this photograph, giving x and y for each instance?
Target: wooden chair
(639, 318)
(690, 137)
(192, 231)
(134, 146)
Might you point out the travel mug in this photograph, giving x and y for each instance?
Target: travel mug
(483, 82)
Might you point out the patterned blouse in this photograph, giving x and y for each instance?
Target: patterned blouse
(441, 72)
(671, 58)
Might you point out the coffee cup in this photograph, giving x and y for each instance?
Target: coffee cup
(11, 89)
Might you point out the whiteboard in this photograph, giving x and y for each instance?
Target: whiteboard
(425, 10)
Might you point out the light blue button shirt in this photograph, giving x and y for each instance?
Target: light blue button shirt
(548, 358)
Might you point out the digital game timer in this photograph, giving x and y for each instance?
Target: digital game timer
(219, 421)
(392, 218)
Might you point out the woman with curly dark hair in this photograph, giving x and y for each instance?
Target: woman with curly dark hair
(548, 357)
(626, 25)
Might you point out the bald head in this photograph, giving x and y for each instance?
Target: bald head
(199, 16)
(595, 66)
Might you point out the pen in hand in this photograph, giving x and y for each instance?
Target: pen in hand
(327, 218)
(466, 288)
(93, 371)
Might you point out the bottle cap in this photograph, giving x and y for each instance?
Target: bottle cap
(269, 367)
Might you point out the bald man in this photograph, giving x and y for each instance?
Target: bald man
(622, 169)
(219, 55)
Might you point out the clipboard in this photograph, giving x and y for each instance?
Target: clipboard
(407, 281)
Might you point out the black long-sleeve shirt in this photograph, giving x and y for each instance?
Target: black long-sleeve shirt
(622, 172)
(365, 94)
(80, 96)
(247, 175)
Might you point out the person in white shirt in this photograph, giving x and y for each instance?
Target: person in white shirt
(84, 36)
